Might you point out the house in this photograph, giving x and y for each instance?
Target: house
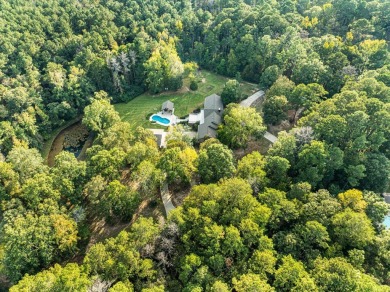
(209, 118)
(210, 126)
(167, 107)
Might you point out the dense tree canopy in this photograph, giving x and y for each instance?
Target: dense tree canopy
(304, 214)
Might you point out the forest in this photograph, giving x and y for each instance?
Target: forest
(305, 213)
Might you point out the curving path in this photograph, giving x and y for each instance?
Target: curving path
(166, 198)
(251, 99)
(248, 102)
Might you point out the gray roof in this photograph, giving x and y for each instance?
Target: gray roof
(210, 126)
(167, 105)
(213, 102)
(387, 197)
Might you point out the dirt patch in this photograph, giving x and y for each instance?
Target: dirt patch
(56, 148)
(283, 126)
(87, 144)
(179, 196)
(261, 145)
(4, 283)
(101, 230)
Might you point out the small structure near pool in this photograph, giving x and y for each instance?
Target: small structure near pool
(168, 107)
(166, 116)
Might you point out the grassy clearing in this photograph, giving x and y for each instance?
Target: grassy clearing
(138, 110)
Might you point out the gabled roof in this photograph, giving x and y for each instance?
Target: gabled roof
(167, 105)
(210, 126)
(213, 102)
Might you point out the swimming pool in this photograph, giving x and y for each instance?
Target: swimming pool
(387, 221)
(160, 120)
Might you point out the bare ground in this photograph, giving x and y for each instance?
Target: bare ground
(261, 145)
(101, 230)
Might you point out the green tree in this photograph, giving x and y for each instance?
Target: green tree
(215, 162)
(164, 69)
(377, 208)
(262, 263)
(231, 92)
(140, 152)
(316, 161)
(306, 95)
(178, 165)
(120, 135)
(240, 125)
(353, 199)
(251, 282)
(57, 278)
(110, 199)
(107, 163)
(9, 182)
(252, 168)
(336, 274)
(352, 229)
(275, 109)
(284, 211)
(269, 76)
(120, 286)
(282, 87)
(212, 229)
(292, 276)
(69, 175)
(321, 207)
(46, 238)
(26, 162)
(309, 70)
(7, 136)
(118, 259)
(148, 178)
(100, 114)
(277, 171)
(219, 286)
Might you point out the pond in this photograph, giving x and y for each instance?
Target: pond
(71, 139)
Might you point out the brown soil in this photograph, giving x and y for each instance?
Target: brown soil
(261, 145)
(179, 196)
(101, 230)
(87, 144)
(283, 126)
(4, 283)
(56, 148)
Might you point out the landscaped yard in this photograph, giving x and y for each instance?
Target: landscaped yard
(138, 110)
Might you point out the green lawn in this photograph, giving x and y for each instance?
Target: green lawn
(138, 110)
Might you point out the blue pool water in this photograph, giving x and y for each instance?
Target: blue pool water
(161, 120)
(387, 221)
